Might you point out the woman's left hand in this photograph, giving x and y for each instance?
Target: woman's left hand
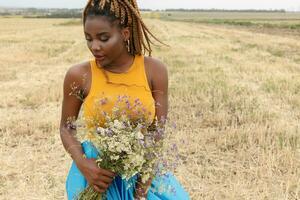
(140, 193)
(141, 190)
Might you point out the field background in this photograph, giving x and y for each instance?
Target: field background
(234, 95)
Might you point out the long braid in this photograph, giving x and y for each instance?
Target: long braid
(144, 28)
(84, 14)
(123, 13)
(129, 15)
(102, 4)
(116, 8)
(135, 5)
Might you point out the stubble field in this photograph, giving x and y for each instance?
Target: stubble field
(234, 96)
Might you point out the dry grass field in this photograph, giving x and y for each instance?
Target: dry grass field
(234, 95)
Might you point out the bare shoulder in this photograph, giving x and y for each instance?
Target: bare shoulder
(155, 65)
(78, 70)
(78, 75)
(158, 71)
(158, 74)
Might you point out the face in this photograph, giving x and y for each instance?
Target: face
(105, 39)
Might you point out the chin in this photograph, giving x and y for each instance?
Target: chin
(101, 62)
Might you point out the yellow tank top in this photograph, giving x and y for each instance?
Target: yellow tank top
(108, 88)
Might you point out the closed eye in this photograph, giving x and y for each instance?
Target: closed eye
(104, 39)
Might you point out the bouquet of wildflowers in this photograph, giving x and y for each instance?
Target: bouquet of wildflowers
(127, 144)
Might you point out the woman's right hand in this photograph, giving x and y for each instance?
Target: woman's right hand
(97, 177)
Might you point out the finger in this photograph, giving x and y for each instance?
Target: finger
(101, 184)
(102, 178)
(107, 173)
(114, 174)
(98, 189)
(106, 179)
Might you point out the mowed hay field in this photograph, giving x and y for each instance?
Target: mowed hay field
(234, 96)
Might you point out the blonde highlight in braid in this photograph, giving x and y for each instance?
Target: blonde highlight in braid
(102, 4)
(128, 14)
(116, 8)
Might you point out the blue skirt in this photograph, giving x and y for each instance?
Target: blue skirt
(121, 189)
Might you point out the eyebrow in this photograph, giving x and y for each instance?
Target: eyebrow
(98, 34)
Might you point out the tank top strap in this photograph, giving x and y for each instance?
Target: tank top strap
(140, 71)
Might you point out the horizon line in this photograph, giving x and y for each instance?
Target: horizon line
(225, 9)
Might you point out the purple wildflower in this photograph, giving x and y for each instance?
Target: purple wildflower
(109, 132)
(142, 142)
(174, 125)
(103, 101)
(128, 104)
(71, 126)
(124, 123)
(119, 99)
(137, 102)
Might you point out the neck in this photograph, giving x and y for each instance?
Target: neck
(121, 64)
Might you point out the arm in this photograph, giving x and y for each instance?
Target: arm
(159, 82)
(99, 178)
(160, 91)
(70, 109)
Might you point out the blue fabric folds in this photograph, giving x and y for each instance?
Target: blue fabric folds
(121, 189)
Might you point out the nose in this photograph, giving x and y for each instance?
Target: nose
(95, 46)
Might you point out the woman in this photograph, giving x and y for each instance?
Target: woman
(118, 38)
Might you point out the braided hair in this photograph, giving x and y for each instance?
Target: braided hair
(128, 14)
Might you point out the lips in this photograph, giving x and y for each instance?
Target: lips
(99, 57)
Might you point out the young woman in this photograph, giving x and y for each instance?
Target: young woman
(118, 39)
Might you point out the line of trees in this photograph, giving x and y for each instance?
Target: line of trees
(222, 10)
(42, 13)
(77, 13)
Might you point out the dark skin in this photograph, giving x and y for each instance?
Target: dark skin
(108, 39)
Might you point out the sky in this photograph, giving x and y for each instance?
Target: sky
(291, 5)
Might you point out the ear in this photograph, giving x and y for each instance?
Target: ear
(125, 33)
